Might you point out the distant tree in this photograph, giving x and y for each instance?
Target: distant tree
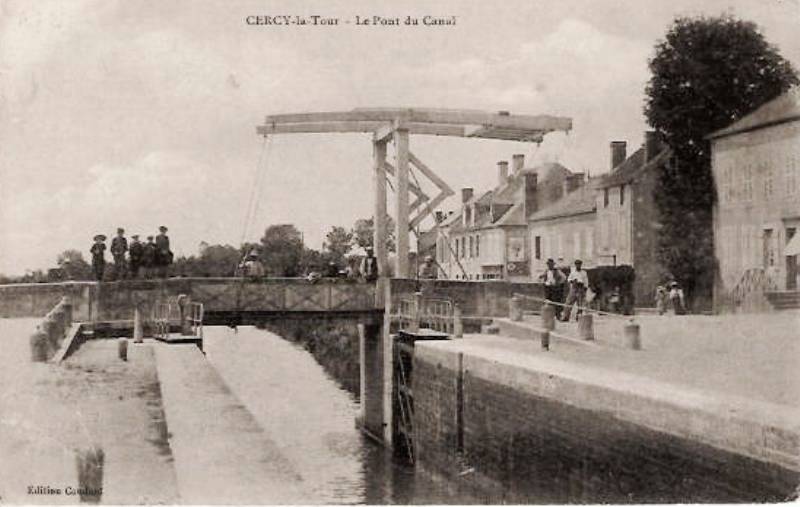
(282, 250)
(706, 73)
(364, 229)
(72, 266)
(338, 243)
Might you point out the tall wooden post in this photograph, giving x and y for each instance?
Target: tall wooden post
(401, 147)
(379, 218)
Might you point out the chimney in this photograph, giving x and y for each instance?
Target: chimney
(652, 145)
(618, 153)
(531, 198)
(502, 172)
(466, 194)
(518, 162)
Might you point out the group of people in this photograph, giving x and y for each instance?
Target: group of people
(576, 283)
(366, 270)
(670, 296)
(150, 259)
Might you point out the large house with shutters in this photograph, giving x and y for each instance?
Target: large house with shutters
(756, 167)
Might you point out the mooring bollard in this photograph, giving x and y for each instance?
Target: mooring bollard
(186, 314)
(632, 337)
(122, 348)
(515, 308)
(66, 304)
(586, 326)
(40, 344)
(138, 335)
(458, 325)
(90, 464)
(548, 316)
(545, 337)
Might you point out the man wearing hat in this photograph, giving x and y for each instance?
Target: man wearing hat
(428, 270)
(136, 253)
(252, 266)
(369, 266)
(163, 253)
(119, 245)
(578, 282)
(553, 280)
(148, 257)
(98, 260)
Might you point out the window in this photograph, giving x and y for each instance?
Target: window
(747, 186)
(605, 197)
(471, 250)
(537, 247)
(477, 246)
(463, 248)
(621, 195)
(768, 183)
(791, 176)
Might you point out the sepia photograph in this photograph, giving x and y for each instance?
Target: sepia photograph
(443, 252)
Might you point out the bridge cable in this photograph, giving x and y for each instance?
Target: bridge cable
(254, 190)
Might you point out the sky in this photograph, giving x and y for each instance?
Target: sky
(140, 114)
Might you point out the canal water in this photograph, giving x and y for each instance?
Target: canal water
(311, 418)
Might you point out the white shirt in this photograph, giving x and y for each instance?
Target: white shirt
(579, 276)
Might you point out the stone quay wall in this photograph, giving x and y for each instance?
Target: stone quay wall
(505, 432)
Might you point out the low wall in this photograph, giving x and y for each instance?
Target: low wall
(512, 434)
(37, 299)
(483, 298)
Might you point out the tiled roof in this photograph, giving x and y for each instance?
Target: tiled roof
(577, 202)
(514, 216)
(783, 108)
(628, 170)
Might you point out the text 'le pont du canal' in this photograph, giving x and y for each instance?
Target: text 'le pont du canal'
(317, 20)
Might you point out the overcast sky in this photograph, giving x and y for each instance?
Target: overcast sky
(142, 113)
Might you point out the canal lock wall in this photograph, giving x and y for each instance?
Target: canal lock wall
(514, 434)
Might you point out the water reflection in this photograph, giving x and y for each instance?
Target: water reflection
(311, 419)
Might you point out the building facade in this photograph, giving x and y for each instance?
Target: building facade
(488, 237)
(756, 169)
(610, 221)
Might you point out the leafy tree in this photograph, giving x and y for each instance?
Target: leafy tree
(706, 74)
(363, 233)
(282, 250)
(338, 243)
(72, 266)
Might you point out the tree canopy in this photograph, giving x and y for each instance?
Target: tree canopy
(282, 250)
(707, 73)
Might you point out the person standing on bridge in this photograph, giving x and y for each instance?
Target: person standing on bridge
(98, 256)
(136, 253)
(369, 266)
(163, 253)
(429, 269)
(148, 258)
(578, 281)
(119, 246)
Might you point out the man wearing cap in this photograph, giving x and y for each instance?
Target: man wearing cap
(119, 245)
(553, 280)
(578, 282)
(98, 260)
(369, 266)
(163, 253)
(136, 252)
